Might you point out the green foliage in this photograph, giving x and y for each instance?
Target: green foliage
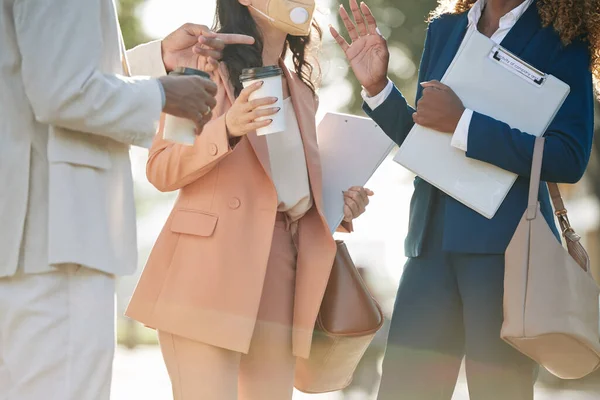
(133, 32)
(403, 24)
(593, 171)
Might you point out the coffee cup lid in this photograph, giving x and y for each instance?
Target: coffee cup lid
(189, 71)
(250, 74)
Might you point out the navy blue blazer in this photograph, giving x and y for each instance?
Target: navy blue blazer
(568, 139)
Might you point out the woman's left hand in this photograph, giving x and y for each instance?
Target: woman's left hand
(356, 200)
(439, 108)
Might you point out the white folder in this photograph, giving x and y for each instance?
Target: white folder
(494, 82)
(351, 149)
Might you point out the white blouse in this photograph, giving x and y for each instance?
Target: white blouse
(288, 166)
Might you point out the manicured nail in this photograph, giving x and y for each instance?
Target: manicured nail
(278, 109)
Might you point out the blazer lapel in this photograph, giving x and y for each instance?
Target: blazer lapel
(258, 143)
(305, 113)
(450, 49)
(521, 34)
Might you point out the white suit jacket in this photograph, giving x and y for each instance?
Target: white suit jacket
(61, 77)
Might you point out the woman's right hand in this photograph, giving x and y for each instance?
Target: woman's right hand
(241, 117)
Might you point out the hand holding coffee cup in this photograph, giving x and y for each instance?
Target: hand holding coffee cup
(190, 98)
(272, 86)
(241, 118)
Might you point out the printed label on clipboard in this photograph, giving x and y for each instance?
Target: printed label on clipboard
(517, 66)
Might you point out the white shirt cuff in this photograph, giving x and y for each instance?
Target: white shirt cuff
(460, 139)
(378, 99)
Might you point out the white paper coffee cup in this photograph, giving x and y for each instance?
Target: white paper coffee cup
(182, 130)
(179, 130)
(272, 87)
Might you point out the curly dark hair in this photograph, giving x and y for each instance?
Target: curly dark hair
(572, 19)
(233, 17)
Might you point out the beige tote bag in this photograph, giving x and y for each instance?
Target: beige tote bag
(551, 311)
(348, 320)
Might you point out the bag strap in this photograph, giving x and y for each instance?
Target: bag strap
(572, 239)
(534, 183)
(559, 208)
(534, 180)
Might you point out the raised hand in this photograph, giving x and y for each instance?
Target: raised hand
(368, 53)
(196, 46)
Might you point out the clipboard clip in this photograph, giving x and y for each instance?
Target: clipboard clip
(517, 66)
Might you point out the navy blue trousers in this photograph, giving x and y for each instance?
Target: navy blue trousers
(449, 306)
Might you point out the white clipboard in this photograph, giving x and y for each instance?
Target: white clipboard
(351, 149)
(494, 82)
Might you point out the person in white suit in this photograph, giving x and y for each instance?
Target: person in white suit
(68, 115)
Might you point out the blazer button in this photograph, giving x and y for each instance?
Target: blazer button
(235, 203)
(213, 149)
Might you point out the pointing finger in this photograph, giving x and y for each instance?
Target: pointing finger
(213, 43)
(234, 38)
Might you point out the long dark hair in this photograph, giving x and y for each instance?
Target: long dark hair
(233, 17)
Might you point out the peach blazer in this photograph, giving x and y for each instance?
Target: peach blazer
(204, 277)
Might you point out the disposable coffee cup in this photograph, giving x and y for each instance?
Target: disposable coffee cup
(182, 130)
(272, 87)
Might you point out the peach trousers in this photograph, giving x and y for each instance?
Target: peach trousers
(199, 371)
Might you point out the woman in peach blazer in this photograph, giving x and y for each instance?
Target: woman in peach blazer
(233, 284)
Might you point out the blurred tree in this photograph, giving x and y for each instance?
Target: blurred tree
(593, 172)
(403, 24)
(131, 25)
(592, 178)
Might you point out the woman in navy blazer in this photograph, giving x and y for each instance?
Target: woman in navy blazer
(449, 302)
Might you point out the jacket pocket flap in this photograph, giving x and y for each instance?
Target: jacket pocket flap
(78, 148)
(192, 222)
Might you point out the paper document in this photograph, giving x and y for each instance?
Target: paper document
(491, 81)
(351, 149)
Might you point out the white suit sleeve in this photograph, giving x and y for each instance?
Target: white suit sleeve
(146, 60)
(62, 47)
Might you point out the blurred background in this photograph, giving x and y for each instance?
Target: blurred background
(376, 245)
